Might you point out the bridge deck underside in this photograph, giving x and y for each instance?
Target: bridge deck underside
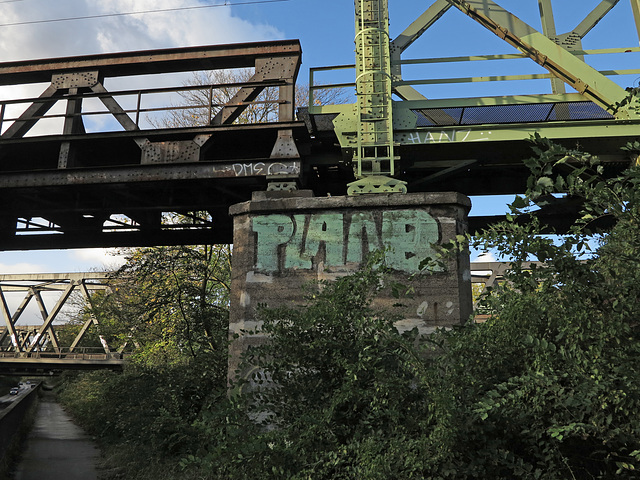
(490, 168)
(487, 158)
(77, 202)
(71, 207)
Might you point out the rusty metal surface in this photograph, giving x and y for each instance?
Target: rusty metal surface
(149, 62)
(72, 187)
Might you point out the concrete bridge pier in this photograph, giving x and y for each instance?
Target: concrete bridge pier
(283, 240)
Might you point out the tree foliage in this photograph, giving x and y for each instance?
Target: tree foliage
(546, 389)
(554, 373)
(197, 106)
(171, 303)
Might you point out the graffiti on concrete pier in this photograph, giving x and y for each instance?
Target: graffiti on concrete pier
(302, 241)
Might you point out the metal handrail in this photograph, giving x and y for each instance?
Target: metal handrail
(139, 94)
(455, 80)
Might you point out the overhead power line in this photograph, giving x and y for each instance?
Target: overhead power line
(142, 12)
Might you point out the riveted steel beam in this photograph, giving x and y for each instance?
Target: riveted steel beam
(29, 118)
(210, 57)
(571, 41)
(474, 134)
(266, 69)
(594, 17)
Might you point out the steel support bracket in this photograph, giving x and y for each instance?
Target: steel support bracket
(282, 186)
(285, 146)
(376, 184)
(177, 151)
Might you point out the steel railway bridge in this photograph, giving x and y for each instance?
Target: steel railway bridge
(51, 343)
(83, 163)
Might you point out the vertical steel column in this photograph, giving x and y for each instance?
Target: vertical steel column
(374, 156)
(373, 89)
(549, 29)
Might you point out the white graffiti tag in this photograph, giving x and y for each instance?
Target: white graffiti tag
(447, 136)
(260, 168)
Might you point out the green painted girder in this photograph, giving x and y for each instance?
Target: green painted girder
(562, 130)
(374, 154)
(406, 39)
(407, 132)
(565, 65)
(374, 158)
(559, 130)
(571, 41)
(545, 52)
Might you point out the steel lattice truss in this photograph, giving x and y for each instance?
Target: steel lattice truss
(39, 344)
(82, 165)
(28, 348)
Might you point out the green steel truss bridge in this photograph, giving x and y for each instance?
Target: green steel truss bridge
(85, 162)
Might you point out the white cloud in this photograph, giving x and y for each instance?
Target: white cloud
(178, 28)
(22, 267)
(99, 258)
(485, 257)
(183, 28)
(219, 25)
(169, 29)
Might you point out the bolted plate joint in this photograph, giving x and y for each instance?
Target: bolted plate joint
(376, 184)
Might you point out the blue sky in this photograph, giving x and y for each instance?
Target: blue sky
(326, 32)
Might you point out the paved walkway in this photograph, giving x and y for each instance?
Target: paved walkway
(56, 448)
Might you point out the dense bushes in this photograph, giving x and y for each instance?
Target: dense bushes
(150, 409)
(335, 390)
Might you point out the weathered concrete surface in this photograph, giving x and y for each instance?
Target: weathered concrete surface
(56, 448)
(283, 241)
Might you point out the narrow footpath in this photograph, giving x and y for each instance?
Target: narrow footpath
(56, 448)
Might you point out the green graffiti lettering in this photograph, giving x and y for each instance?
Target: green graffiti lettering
(409, 236)
(305, 244)
(326, 228)
(295, 257)
(272, 230)
(362, 226)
